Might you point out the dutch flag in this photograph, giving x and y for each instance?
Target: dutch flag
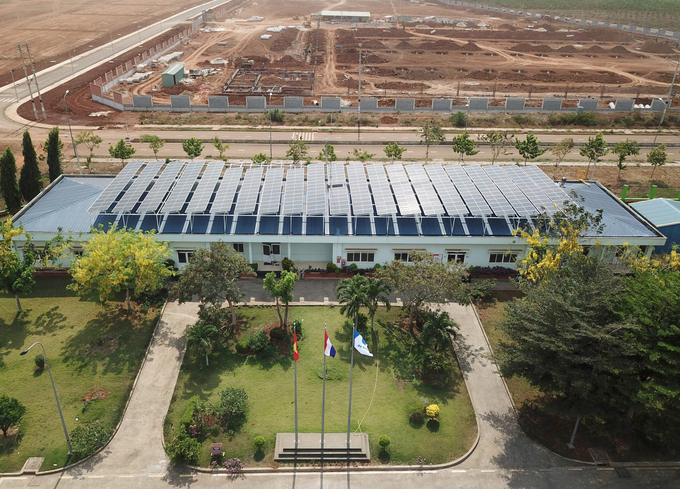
(328, 347)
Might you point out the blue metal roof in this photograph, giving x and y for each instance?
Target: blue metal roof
(617, 218)
(660, 212)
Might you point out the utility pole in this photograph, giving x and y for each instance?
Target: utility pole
(359, 103)
(28, 80)
(667, 103)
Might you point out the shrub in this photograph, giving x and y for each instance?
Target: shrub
(416, 412)
(377, 266)
(234, 465)
(258, 341)
(204, 420)
(278, 334)
(288, 265)
(459, 119)
(332, 267)
(384, 442)
(432, 411)
(183, 449)
(187, 418)
(297, 327)
(88, 438)
(275, 115)
(11, 412)
(233, 407)
(259, 442)
(242, 345)
(353, 268)
(253, 266)
(40, 361)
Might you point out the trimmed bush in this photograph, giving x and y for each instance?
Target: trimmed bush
(187, 418)
(353, 268)
(259, 442)
(297, 327)
(432, 411)
(183, 449)
(40, 361)
(332, 267)
(384, 442)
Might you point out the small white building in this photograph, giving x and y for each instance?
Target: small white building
(365, 214)
(345, 16)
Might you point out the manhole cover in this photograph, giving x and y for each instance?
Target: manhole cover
(622, 472)
(599, 456)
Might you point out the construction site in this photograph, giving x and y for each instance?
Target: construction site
(273, 49)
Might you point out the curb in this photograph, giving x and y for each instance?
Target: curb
(120, 421)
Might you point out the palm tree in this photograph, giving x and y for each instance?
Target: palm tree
(437, 330)
(200, 338)
(351, 292)
(377, 292)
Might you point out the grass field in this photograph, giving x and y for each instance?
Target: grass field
(89, 347)
(383, 390)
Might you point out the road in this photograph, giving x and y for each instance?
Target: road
(57, 74)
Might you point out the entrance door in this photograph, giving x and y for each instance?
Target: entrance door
(271, 253)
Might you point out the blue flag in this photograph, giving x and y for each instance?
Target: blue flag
(361, 345)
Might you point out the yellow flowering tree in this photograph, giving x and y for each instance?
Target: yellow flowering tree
(16, 272)
(120, 259)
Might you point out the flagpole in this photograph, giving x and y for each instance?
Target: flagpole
(296, 416)
(323, 398)
(351, 372)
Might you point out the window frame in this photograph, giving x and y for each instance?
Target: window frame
(238, 247)
(358, 256)
(510, 256)
(186, 255)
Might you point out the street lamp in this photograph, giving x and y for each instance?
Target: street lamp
(139, 32)
(73, 141)
(269, 113)
(359, 99)
(14, 83)
(68, 440)
(110, 36)
(73, 70)
(467, 116)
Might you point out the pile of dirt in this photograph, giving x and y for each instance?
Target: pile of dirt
(288, 61)
(506, 27)
(485, 75)
(374, 44)
(656, 47)
(370, 32)
(469, 47)
(374, 59)
(391, 85)
(284, 40)
(595, 49)
(569, 48)
(388, 120)
(620, 49)
(522, 47)
(404, 45)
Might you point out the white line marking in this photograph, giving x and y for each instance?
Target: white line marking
(126, 476)
(458, 471)
(574, 468)
(186, 475)
(94, 476)
(487, 471)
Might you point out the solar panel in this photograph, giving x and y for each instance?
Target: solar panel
(453, 202)
(316, 189)
(106, 198)
(519, 201)
(358, 186)
(250, 190)
(139, 185)
(380, 188)
(271, 191)
(406, 198)
(225, 194)
(498, 203)
(205, 188)
(554, 192)
(533, 191)
(427, 196)
(182, 188)
(161, 187)
(339, 198)
(293, 197)
(468, 191)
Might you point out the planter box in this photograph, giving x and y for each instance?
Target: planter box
(327, 275)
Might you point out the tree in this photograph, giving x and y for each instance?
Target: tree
(351, 293)
(423, 280)
(212, 274)
(261, 159)
(328, 153)
(498, 141)
(155, 143)
(275, 115)
(281, 291)
(393, 151)
(529, 148)
(192, 147)
(200, 337)
(459, 119)
(120, 260)
(594, 149)
(561, 150)
(11, 412)
(220, 147)
(464, 145)
(431, 133)
(16, 272)
(296, 150)
(376, 293)
(362, 155)
(624, 149)
(9, 188)
(122, 151)
(657, 157)
(30, 180)
(91, 142)
(438, 328)
(54, 154)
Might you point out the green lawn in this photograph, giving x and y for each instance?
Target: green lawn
(89, 346)
(491, 314)
(383, 390)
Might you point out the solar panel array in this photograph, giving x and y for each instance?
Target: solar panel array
(293, 197)
(331, 190)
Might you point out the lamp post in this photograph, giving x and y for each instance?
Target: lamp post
(73, 70)
(110, 35)
(467, 116)
(63, 424)
(14, 83)
(139, 32)
(269, 113)
(359, 100)
(73, 141)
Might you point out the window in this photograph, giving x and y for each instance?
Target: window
(586, 250)
(271, 249)
(184, 256)
(363, 256)
(78, 253)
(506, 257)
(403, 256)
(456, 256)
(238, 247)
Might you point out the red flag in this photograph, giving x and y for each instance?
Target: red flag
(296, 355)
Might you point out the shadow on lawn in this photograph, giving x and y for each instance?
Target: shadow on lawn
(13, 335)
(109, 343)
